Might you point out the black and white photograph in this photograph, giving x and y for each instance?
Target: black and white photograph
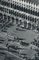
(19, 29)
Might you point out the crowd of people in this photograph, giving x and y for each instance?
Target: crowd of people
(17, 46)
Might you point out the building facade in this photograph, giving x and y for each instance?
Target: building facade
(20, 12)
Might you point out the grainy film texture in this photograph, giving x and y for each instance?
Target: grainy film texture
(19, 29)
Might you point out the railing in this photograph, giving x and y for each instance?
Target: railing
(15, 11)
(26, 7)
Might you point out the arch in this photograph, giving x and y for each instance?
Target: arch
(20, 21)
(26, 17)
(33, 26)
(12, 20)
(16, 20)
(5, 17)
(25, 24)
(1, 16)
